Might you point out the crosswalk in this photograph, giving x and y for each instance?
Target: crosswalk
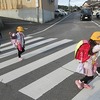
(40, 56)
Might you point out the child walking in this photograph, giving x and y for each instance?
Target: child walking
(20, 41)
(90, 65)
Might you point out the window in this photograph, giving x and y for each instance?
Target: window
(28, 0)
(51, 1)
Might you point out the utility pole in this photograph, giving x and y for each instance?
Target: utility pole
(69, 5)
(37, 10)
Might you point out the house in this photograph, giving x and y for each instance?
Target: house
(31, 10)
(92, 3)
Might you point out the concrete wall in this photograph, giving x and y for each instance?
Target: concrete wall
(29, 11)
(48, 15)
(33, 14)
(48, 9)
(56, 4)
(23, 14)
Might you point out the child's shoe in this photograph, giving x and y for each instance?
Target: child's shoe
(20, 59)
(87, 86)
(79, 84)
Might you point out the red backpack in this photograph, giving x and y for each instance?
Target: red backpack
(81, 51)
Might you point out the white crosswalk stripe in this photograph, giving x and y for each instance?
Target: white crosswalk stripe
(37, 64)
(8, 43)
(33, 53)
(11, 46)
(14, 51)
(42, 85)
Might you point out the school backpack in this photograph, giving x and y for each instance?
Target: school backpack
(13, 36)
(81, 51)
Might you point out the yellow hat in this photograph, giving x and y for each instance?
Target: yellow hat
(95, 35)
(20, 29)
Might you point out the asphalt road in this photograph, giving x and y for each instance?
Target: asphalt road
(48, 69)
(33, 28)
(29, 27)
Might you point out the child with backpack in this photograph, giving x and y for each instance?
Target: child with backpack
(18, 41)
(87, 55)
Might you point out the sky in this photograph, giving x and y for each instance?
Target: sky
(72, 2)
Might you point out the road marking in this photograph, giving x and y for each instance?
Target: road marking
(8, 43)
(46, 83)
(33, 53)
(27, 47)
(49, 26)
(12, 75)
(48, 47)
(30, 54)
(72, 65)
(29, 41)
(96, 23)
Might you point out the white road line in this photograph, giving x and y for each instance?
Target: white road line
(27, 47)
(49, 26)
(28, 41)
(28, 55)
(96, 23)
(46, 83)
(72, 67)
(33, 53)
(12, 75)
(48, 47)
(8, 43)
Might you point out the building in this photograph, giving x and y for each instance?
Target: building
(92, 3)
(56, 4)
(31, 10)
